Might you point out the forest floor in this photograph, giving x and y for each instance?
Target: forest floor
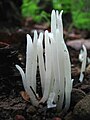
(14, 102)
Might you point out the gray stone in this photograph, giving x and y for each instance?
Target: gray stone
(76, 96)
(82, 109)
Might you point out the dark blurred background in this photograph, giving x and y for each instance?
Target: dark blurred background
(13, 11)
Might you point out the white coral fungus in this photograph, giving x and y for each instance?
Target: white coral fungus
(55, 70)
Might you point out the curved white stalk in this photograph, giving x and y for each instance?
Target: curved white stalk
(81, 55)
(84, 58)
(61, 69)
(48, 68)
(26, 87)
(29, 60)
(68, 81)
(41, 60)
(22, 75)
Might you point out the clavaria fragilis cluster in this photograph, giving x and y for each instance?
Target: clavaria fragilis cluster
(55, 71)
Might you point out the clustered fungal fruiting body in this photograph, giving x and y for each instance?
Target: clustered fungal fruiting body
(55, 71)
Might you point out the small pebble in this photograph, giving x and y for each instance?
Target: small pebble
(77, 44)
(88, 69)
(76, 96)
(82, 109)
(56, 118)
(31, 110)
(19, 117)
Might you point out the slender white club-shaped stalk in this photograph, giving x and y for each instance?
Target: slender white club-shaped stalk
(57, 32)
(55, 66)
(22, 75)
(34, 61)
(60, 25)
(61, 67)
(47, 68)
(68, 81)
(41, 61)
(58, 74)
(53, 22)
(83, 58)
(28, 76)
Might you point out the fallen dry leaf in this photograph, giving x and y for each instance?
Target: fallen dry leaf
(88, 69)
(24, 95)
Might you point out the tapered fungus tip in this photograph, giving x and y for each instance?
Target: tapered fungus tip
(35, 33)
(53, 12)
(46, 31)
(61, 14)
(41, 36)
(28, 35)
(53, 15)
(29, 39)
(84, 48)
(16, 66)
